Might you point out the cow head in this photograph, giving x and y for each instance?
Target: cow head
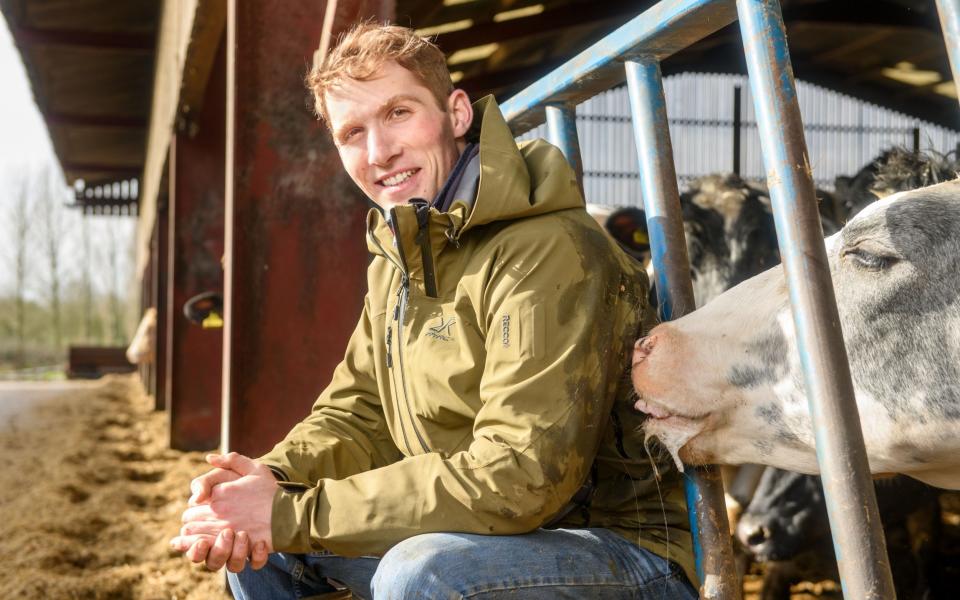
(724, 384)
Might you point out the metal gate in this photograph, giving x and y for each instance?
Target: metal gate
(634, 52)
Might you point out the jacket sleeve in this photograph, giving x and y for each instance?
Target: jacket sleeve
(555, 316)
(345, 432)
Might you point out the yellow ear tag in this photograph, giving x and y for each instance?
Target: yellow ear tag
(640, 237)
(213, 321)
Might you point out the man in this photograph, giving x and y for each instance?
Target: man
(475, 439)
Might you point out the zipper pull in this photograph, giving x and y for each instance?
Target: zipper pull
(396, 306)
(389, 351)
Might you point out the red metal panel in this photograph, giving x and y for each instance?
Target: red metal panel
(296, 254)
(160, 252)
(196, 243)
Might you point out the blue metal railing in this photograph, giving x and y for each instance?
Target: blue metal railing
(633, 52)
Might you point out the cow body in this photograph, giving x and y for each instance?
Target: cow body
(724, 384)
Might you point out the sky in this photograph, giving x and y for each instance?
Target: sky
(25, 148)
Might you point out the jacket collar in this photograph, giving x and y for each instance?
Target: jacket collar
(514, 182)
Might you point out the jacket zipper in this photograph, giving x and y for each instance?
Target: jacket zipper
(426, 253)
(399, 312)
(389, 336)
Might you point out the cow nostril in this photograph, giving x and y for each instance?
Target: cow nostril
(643, 347)
(757, 536)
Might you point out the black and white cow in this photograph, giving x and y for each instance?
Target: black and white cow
(785, 527)
(728, 227)
(730, 233)
(893, 170)
(724, 385)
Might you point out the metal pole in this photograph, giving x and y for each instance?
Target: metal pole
(661, 201)
(851, 502)
(562, 133)
(949, 11)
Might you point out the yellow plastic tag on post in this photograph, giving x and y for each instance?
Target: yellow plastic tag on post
(213, 321)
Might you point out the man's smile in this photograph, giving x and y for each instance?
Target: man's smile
(397, 178)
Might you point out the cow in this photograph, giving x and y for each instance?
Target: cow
(723, 384)
(728, 226)
(785, 527)
(141, 348)
(894, 170)
(730, 233)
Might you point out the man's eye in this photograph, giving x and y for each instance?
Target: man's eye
(352, 133)
(399, 112)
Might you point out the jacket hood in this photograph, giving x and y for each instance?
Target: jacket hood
(516, 181)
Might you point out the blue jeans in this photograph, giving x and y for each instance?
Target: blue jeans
(554, 564)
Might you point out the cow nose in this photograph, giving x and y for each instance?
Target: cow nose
(755, 534)
(643, 347)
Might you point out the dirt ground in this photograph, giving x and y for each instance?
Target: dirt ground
(89, 497)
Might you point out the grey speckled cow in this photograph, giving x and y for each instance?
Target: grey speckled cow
(724, 384)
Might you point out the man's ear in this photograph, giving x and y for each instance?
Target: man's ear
(460, 111)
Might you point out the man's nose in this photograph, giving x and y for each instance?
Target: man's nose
(381, 147)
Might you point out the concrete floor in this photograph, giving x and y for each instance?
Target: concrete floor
(18, 397)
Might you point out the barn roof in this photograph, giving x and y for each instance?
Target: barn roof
(91, 62)
(888, 52)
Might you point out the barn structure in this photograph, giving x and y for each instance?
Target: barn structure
(192, 115)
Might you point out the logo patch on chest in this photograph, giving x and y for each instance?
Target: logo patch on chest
(443, 331)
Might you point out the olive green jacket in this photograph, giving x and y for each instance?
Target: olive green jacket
(487, 380)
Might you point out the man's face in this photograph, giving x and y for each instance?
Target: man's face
(394, 140)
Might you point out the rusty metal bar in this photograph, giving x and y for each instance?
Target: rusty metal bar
(851, 503)
(562, 133)
(193, 359)
(661, 201)
(159, 251)
(295, 261)
(949, 11)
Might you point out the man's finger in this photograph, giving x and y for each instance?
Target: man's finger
(211, 528)
(258, 558)
(198, 551)
(202, 512)
(221, 550)
(234, 462)
(201, 487)
(182, 543)
(241, 548)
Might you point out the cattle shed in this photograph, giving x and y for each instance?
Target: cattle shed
(192, 115)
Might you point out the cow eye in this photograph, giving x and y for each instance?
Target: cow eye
(869, 260)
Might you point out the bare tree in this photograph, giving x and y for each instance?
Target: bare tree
(111, 246)
(86, 278)
(49, 204)
(20, 224)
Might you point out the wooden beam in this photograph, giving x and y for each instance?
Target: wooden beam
(548, 21)
(106, 40)
(206, 37)
(132, 170)
(80, 120)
